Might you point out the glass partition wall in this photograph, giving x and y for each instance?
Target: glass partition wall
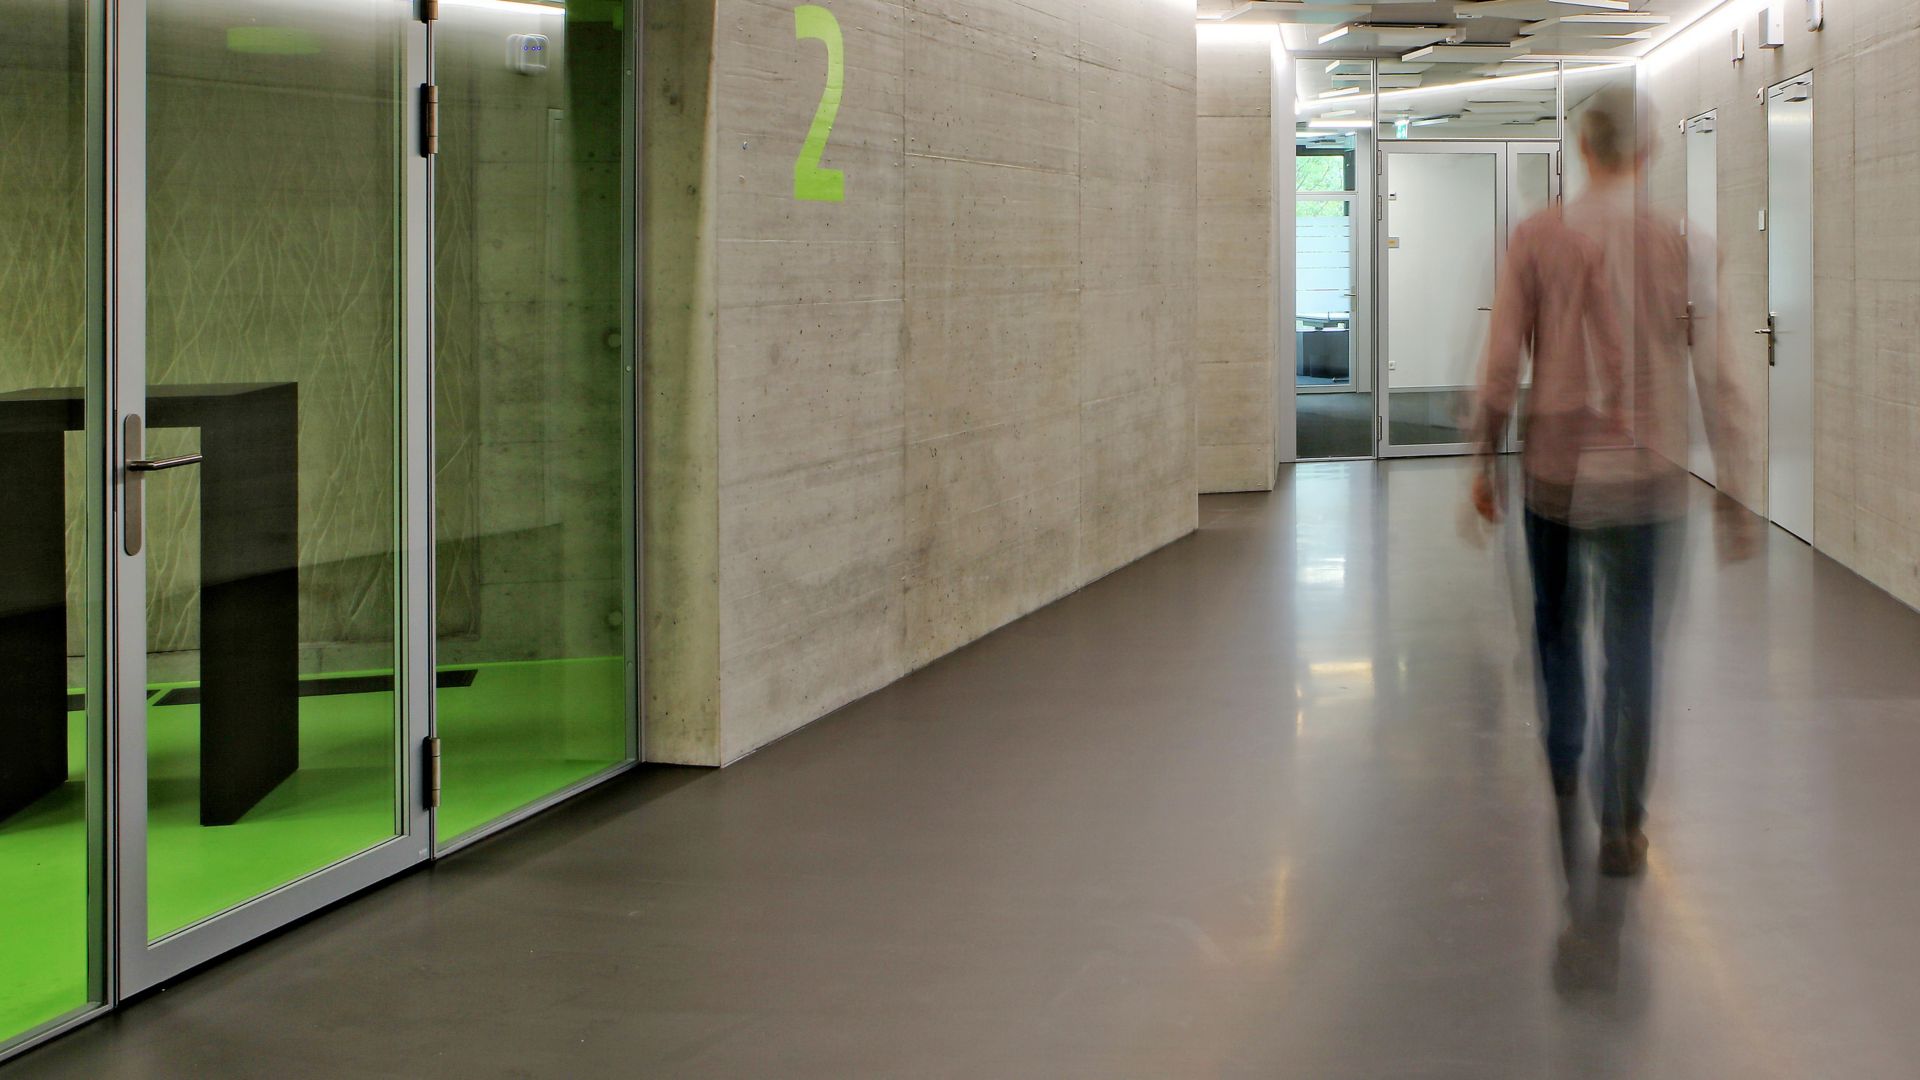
(1414, 172)
(325, 366)
(52, 563)
(530, 440)
(1333, 328)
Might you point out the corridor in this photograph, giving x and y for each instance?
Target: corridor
(1267, 803)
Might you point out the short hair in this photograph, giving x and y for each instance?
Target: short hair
(1609, 128)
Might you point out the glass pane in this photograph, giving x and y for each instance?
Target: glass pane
(1335, 111)
(1443, 233)
(1532, 186)
(47, 590)
(528, 391)
(274, 143)
(1317, 169)
(1324, 291)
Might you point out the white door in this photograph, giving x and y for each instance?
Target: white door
(1790, 304)
(1703, 283)
(1442, 239)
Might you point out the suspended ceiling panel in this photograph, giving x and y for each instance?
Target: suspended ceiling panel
(1494, 30)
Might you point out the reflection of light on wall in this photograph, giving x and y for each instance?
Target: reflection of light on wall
(1209, 33)
(1328, 668)
(1720, 21)
(522, 7)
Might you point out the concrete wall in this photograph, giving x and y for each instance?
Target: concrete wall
(1242, 379)
(947, 400)
(1866, 258)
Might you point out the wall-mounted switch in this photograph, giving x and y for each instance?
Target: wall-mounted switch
(1773, 25)
(527, 53)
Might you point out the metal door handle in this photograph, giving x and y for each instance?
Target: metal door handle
(1772, 337)
(161, 464)
(1483, 309)
(132, 496)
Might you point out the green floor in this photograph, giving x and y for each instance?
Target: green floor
(520, 731)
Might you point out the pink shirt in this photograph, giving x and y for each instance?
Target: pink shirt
(1596, 292)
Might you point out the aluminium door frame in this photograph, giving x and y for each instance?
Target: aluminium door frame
(142, 964)
(1499, 150)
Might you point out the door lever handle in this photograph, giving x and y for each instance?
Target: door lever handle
(161, 464)
(132, 497)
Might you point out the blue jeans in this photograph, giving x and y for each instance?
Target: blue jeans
(1625, 568)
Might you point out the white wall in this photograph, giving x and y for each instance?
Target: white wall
(1866, 259)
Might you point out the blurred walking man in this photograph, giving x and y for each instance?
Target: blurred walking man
(1596, 293)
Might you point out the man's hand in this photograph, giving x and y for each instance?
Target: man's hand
(1486, 497)
(1736, 532)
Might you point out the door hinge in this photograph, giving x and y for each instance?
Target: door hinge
(430, 761)
(429, 120)
(429, 10)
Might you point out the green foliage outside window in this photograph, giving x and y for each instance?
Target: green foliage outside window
(1320, 172)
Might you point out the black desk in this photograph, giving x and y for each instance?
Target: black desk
(249, 588)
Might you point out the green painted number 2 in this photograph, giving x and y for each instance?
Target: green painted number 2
(811, 183)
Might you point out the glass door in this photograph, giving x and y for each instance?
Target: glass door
(268, 235)
(53, 703)
(1443, 236)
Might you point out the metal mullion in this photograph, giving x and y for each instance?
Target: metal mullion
(416, 572)
(101, 521)
(633, 510)
(125, 337)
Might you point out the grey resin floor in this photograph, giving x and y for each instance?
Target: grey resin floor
(1266, 804)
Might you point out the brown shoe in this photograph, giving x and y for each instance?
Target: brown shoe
(1623, 854)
